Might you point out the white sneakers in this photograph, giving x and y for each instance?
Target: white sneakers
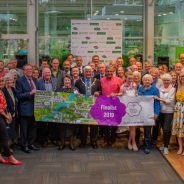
(164, 149)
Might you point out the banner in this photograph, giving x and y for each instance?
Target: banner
(62, 107)
(97, 37)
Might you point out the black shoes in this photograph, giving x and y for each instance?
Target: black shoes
(94, 145)
(72, 147)
(33, 147)
(61, 147)
(26, 150)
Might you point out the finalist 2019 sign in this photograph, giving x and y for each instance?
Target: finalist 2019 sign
(77, 109)
(96, 37)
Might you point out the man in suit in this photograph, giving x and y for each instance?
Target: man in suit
(79, 62)
(88, 86)
(101, 69)
(67, 68)
(26, 88)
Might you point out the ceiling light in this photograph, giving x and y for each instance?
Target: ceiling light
(164, 14)
(108, 18)
(122, 11)
(116, 14)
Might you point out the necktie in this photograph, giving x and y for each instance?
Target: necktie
(31, 84)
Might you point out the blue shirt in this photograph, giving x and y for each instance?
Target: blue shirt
(48, 86)
(88, 86)
(152, 91)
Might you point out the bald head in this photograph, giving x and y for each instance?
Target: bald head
(46, 74)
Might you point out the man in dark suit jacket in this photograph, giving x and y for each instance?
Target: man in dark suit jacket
(26, 88)
(79, 63)
(101, 69)
(88, 86)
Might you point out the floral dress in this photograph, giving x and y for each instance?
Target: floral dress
(178, 120)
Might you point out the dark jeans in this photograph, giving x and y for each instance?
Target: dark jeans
(84, 133)
(4, 138)
(147, 137)
(165, 120)
(28, 130)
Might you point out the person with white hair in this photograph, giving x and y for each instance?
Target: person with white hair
(14, 73)
(147, 89)
(4, 118)
(46, 83)
(12, 102)
(88, 86)
(167, 101)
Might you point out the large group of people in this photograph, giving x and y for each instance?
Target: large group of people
(18, 88)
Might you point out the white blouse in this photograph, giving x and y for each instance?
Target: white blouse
(168, 97)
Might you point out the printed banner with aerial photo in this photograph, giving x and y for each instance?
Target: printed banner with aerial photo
(94, 37)
(73, 108)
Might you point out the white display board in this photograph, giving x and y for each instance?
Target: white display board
(94, 37)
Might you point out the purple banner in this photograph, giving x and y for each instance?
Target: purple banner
(108, 110)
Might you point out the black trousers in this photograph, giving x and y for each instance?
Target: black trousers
(84, 133)
(165, 120)
(28, 130)
(109, 133)
(12, 130)
(4, 138)
(155, 131)
(147, 137)
(42, 132)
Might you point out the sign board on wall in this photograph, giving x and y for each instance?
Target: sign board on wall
(94, 37)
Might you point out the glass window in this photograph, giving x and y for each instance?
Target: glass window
(13, 24)
(55, 19)
(13, 17)
(169, 30)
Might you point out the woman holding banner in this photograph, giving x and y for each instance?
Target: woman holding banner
(130, 89)
(149, 90)
(67, 130)
(5, 117)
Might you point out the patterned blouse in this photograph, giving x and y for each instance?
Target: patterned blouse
(2, 101)
(180, 95)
